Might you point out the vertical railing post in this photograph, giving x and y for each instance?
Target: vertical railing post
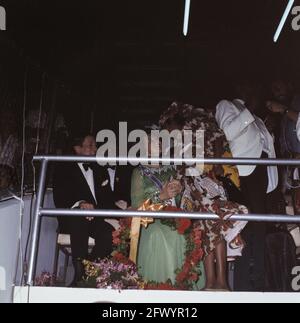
(36, 223)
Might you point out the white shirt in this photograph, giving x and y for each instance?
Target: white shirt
(248, 137)
(112, 175)
(89, 177)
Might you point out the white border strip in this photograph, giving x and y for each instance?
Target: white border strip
(77, 295)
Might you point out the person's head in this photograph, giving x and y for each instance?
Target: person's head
(280, 90)
(249, 93)
(243, 89)
(174, 123)
(6, 177)
(8, 122)
(84, 145)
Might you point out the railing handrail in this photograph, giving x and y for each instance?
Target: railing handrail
(39, 212)
(168, 215)
(207, 161)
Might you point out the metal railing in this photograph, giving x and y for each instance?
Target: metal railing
(39, 212)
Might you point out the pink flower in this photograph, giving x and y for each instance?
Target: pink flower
(116, 241)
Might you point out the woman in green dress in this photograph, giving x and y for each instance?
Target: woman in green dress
(161, 249)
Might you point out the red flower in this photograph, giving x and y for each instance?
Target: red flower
(116, 238)
(197, 255)
(183, 225)
(186, 268)
(116, 241)
(170, 208)
(165, 286)
(121, 258)
(194, 277)
(181, 277)
(127, 222)
(115, 234)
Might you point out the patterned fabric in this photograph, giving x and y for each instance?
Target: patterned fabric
(203, 194)
(198, 119)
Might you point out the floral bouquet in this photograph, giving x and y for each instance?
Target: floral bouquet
(121, 239)
(111, 274)
(189, 273)
(46, 279)
(181, 225)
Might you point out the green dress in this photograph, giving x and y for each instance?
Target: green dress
(161, 249)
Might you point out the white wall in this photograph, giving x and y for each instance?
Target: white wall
(9, 224)
(9, 233)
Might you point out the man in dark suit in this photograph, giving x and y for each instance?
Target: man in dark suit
(86, 187)
(120, 184)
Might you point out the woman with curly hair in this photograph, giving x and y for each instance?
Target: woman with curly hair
(204, 193)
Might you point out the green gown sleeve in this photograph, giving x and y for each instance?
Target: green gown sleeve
(137, 189)
(142, 189)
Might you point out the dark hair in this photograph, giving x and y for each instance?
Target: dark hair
(246, 90)
(77, 140)
(7, 176)
(176, 119)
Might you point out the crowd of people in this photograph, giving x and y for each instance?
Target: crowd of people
(243, 127)
(17, 150)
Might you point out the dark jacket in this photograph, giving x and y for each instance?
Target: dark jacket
(70, 186)
(122, 184)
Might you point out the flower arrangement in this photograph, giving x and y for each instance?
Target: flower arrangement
(160, 286)
(121, 240)
(189, 274)
(180, 225)
(120, 273)
(46, 280)
(186, 276)
(111, 274)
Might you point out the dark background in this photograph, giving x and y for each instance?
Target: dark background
(128, 59)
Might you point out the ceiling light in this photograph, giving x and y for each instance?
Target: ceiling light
(186, 17)
(283, 19)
